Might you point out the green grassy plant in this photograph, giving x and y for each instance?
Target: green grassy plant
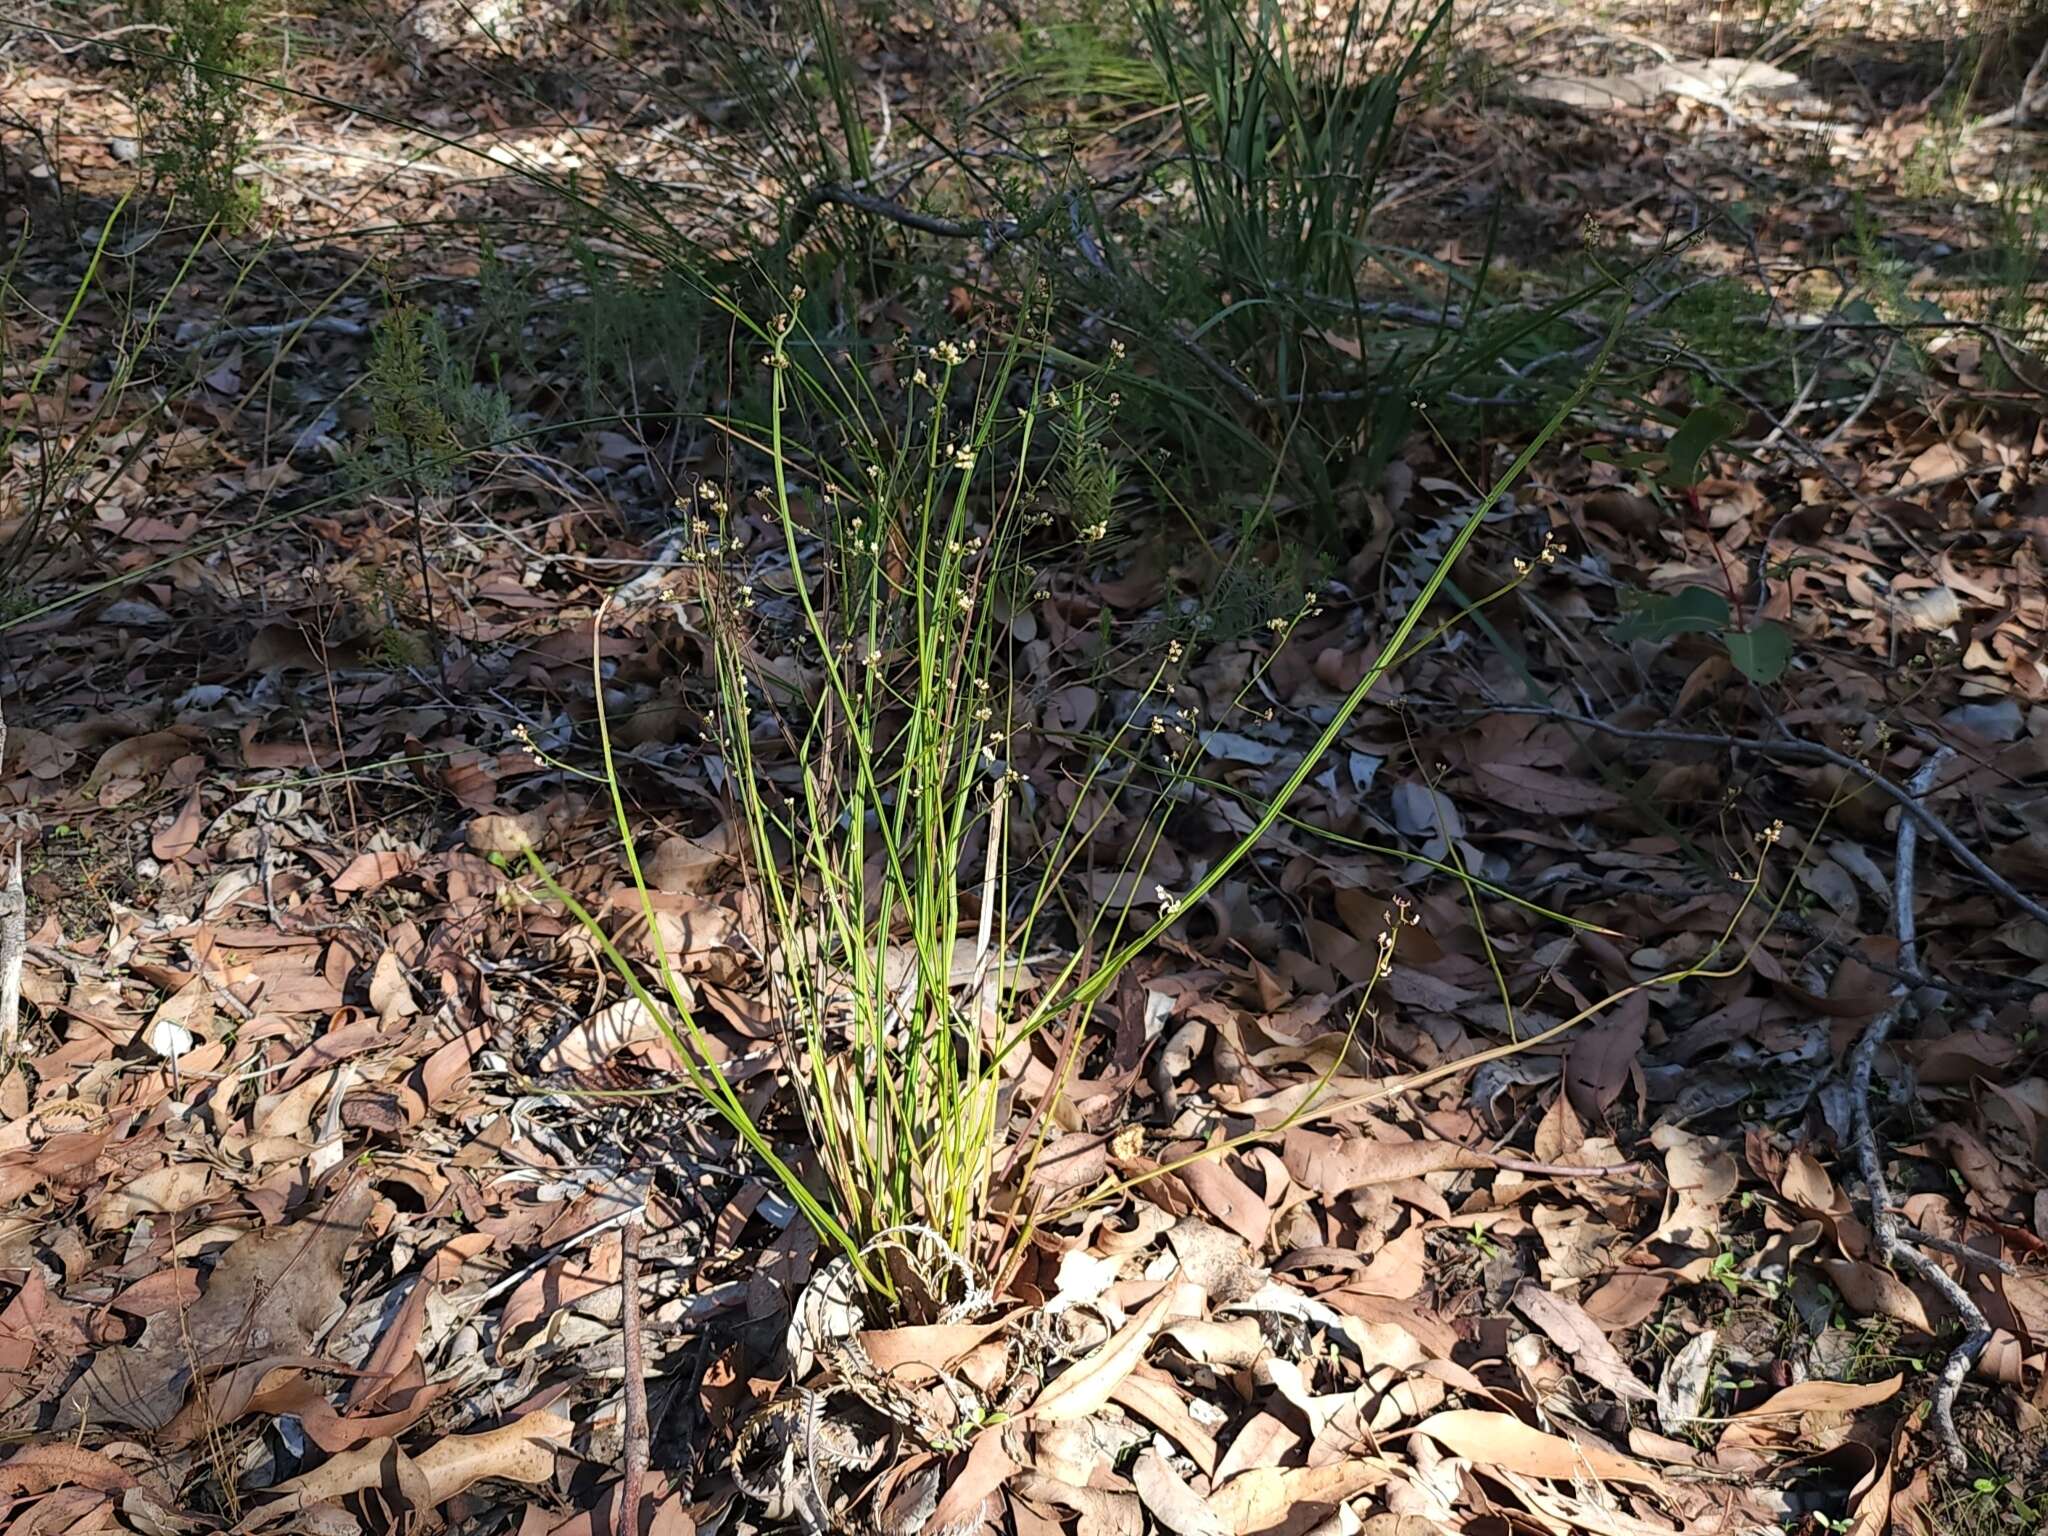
(920, 925)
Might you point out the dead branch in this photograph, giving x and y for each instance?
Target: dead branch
(1908, 802)
(627, 1522)
(1892, 1248)
(13, 934)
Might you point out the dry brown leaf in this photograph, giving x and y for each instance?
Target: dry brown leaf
(1702, 1174)
(1236, 1343)
(624, 1025)
(1811, 1417)
(1870, 1504)
(1159, 1400)
(1540, 792)
(688, 864)
(1333, 1165)
(505, 834)
(178, 839)
(1173, 1503)
(1399, 1269)
(1821, 1397)
(1227, 1197)
(40, 1468)
(273, 1292)
(140, 756)
(1101, 1511)
(390, 993)
(1568, 1326)
(337, 1478)
(915, 1354)
(1265, 1441)
(1872, 1291)
(984, 1471)
(1501, 1440)
(1086, 1384)
(1289, 1501)
(368, 872)
(1601, 1059)
(520, 1452)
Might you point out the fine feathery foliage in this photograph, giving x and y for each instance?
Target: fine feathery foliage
(194, 106)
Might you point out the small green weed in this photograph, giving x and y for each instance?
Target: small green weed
(637, 340)
(194, 108)
(1723, 320)
(427, 410)
(1760, 649)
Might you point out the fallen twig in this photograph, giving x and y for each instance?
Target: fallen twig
(13, 935)
(1884, 1226)
(627, 1522)
(1812, 752)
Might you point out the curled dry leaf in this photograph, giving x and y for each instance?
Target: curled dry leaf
(390, 993)
(520, 1452)
(504, 834)
(1087, 1384)
(623, 1025)
(1702, 1174)
(1333, 1165)
(1158, 1400)
(1810, 1418)
(177, 840)
(688, 864)
(967, 1493)
(1821, 1397)
(372, 871)
(1235, 1343)
(1601, 1059)
(1101, 1511)
(40, 1468)
(1872, 1291)
(1227, 1197)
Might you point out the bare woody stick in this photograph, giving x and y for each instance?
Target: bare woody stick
(1892, 1246)
(13, 935)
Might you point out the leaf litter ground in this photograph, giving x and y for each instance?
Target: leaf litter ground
(325, 1151)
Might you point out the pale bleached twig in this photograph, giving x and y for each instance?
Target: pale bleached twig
(1884, 1226)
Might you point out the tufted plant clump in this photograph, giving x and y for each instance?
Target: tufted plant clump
(941, 900)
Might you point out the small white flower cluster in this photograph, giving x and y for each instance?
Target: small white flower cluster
(1547, 555)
